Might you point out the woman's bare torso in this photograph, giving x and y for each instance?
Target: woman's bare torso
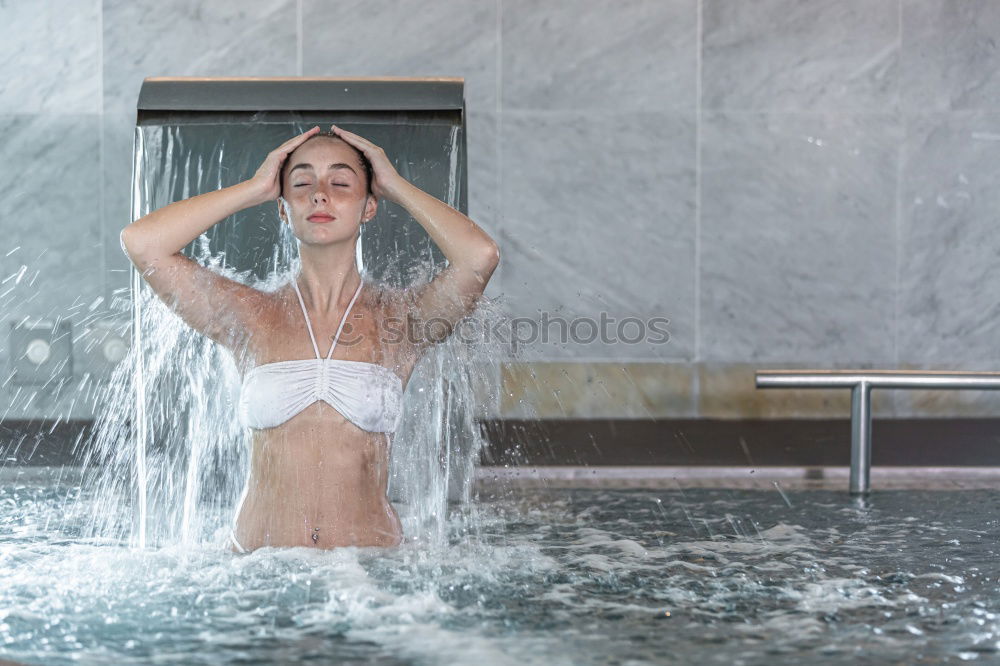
(318, 473)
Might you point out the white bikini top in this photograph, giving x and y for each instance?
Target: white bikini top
(368, 395)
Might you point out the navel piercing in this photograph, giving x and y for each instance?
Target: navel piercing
(315, 535)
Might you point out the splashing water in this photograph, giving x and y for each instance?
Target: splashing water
(552, 577)
(169, 459)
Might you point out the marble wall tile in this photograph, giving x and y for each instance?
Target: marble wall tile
(599, 218)
(50, 260)
(797, 55)
(948, 404)
(950, 241)
(186, 38)
(116, 182)
(798, 237)
(629, 55)
(798, 215)
(49, 56)
(405, 38)
(484, 182)
(950, 55)
(50, 208)
(597, 390)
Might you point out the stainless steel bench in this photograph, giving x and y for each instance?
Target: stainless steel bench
(861, 383)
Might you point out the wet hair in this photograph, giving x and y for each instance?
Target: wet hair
(366, 165)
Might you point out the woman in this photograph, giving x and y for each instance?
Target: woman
(321, 426)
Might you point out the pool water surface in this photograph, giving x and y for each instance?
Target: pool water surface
(539, 576)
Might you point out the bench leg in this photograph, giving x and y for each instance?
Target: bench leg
(861, 437)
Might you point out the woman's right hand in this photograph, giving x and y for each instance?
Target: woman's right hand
(267, 181)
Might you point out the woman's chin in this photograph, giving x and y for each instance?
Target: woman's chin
(323, 237)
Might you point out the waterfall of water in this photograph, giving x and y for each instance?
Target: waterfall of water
(168, 458)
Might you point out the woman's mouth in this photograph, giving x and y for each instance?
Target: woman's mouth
(320, 218)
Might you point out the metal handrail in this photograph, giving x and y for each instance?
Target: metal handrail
(861, 383)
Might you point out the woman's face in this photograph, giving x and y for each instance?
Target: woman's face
(324, 185)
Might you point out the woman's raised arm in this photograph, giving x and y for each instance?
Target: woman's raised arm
(210, 303)
(472, 255)
(166, 231)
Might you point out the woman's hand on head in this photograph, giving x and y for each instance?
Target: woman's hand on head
(267, 181)
(385, 178)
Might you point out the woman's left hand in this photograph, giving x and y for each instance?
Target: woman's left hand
(385, 178)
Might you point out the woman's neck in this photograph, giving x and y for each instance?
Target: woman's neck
(329, 276)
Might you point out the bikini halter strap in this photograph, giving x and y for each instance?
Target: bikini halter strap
(343, 320)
